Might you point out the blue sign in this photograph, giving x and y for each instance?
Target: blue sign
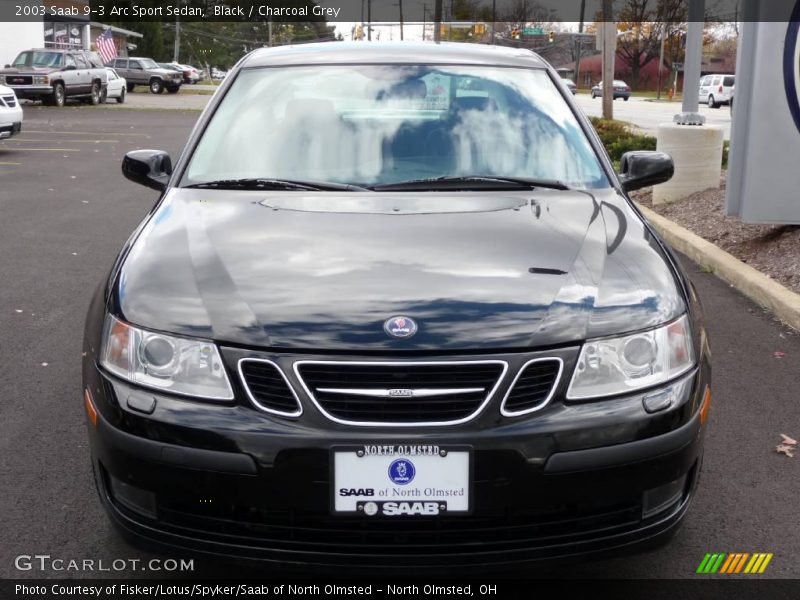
(402, 471)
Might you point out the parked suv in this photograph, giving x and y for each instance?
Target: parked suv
(53, 75)
(145, 71)
(716, 90)
(394, 307)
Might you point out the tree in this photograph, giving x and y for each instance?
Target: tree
(642, 23)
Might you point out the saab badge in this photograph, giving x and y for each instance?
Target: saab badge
(400, 327)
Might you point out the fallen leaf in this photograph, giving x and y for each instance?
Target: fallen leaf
(788, 440)
(784, 449)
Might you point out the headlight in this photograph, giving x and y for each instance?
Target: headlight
(41, 79)
(173, 364)
(620, 365)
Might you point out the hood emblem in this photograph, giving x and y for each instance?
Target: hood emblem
(400, 327)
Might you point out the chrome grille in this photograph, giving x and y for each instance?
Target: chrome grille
(268, 388)
(400, 393)
(533, 387)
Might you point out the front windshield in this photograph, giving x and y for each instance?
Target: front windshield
(38, 59)
(371, 125)
(148, 64)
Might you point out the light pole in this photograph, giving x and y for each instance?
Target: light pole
(400, 3)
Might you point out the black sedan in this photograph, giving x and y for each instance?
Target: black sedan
(394, 308)
(621, 90)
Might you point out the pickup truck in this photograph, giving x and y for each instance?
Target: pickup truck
(53, 75)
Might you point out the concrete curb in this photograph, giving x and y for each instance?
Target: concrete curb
(761, 289)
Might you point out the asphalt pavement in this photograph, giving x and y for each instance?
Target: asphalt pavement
(65, 211)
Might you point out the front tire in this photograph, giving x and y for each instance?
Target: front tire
(59, 95)
(173, 90)
(94, 97)
(711, 102)
(626, 98)
(121, 97)
(594, 95)
(156, 86)
(129, 86)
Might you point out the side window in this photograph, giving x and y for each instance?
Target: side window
(81, 62)
(704, 81)
(716, 81)
(69, 61)
(121, 63)
(727, 81)
(135, 65)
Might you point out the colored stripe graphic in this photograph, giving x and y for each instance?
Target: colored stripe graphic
(734, 562)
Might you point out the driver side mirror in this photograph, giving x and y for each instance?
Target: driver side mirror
(643, 168)
(70, 68)
(151, 168)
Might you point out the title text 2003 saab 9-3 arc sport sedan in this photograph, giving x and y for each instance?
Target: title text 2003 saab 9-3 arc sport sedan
(394, 308)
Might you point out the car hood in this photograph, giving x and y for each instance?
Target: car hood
(326, 270)
(30, 71)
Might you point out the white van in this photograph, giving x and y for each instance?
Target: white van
(716, 90)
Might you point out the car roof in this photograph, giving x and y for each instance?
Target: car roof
(393, 52)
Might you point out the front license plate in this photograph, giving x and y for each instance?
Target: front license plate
(402, 480)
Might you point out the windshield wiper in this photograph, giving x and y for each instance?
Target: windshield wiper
(471, 182)
(255, 183)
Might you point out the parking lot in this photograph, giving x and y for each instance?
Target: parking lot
(66, 210)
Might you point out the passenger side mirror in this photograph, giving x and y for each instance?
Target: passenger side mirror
(643, 168)
(150, 168)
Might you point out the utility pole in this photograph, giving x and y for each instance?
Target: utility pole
(579, 43)
(177, 50)
(424, 20)
(369, 20)
(494, 18)
(609, 57)
(400, 2)
(661, 60)
(437, 21)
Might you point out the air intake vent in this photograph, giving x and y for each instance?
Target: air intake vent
(268, 388)
(400, 393)
(533, 387)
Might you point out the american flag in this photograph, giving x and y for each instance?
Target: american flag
(106, 46)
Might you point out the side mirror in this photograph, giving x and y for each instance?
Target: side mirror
(8, 66)
(643, 168)
(150, 168)
(70, 68)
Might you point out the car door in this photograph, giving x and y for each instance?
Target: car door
(136, 73)
(84, 75)
(71, 75)
(121, 67)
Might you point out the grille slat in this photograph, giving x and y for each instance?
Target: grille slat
(401, 410)
(267, 387)
(533, 387)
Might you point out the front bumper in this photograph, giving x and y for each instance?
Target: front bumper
(8, 130)
(229, 480)
(32, 92)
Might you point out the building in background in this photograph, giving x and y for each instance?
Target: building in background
(60, 32)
